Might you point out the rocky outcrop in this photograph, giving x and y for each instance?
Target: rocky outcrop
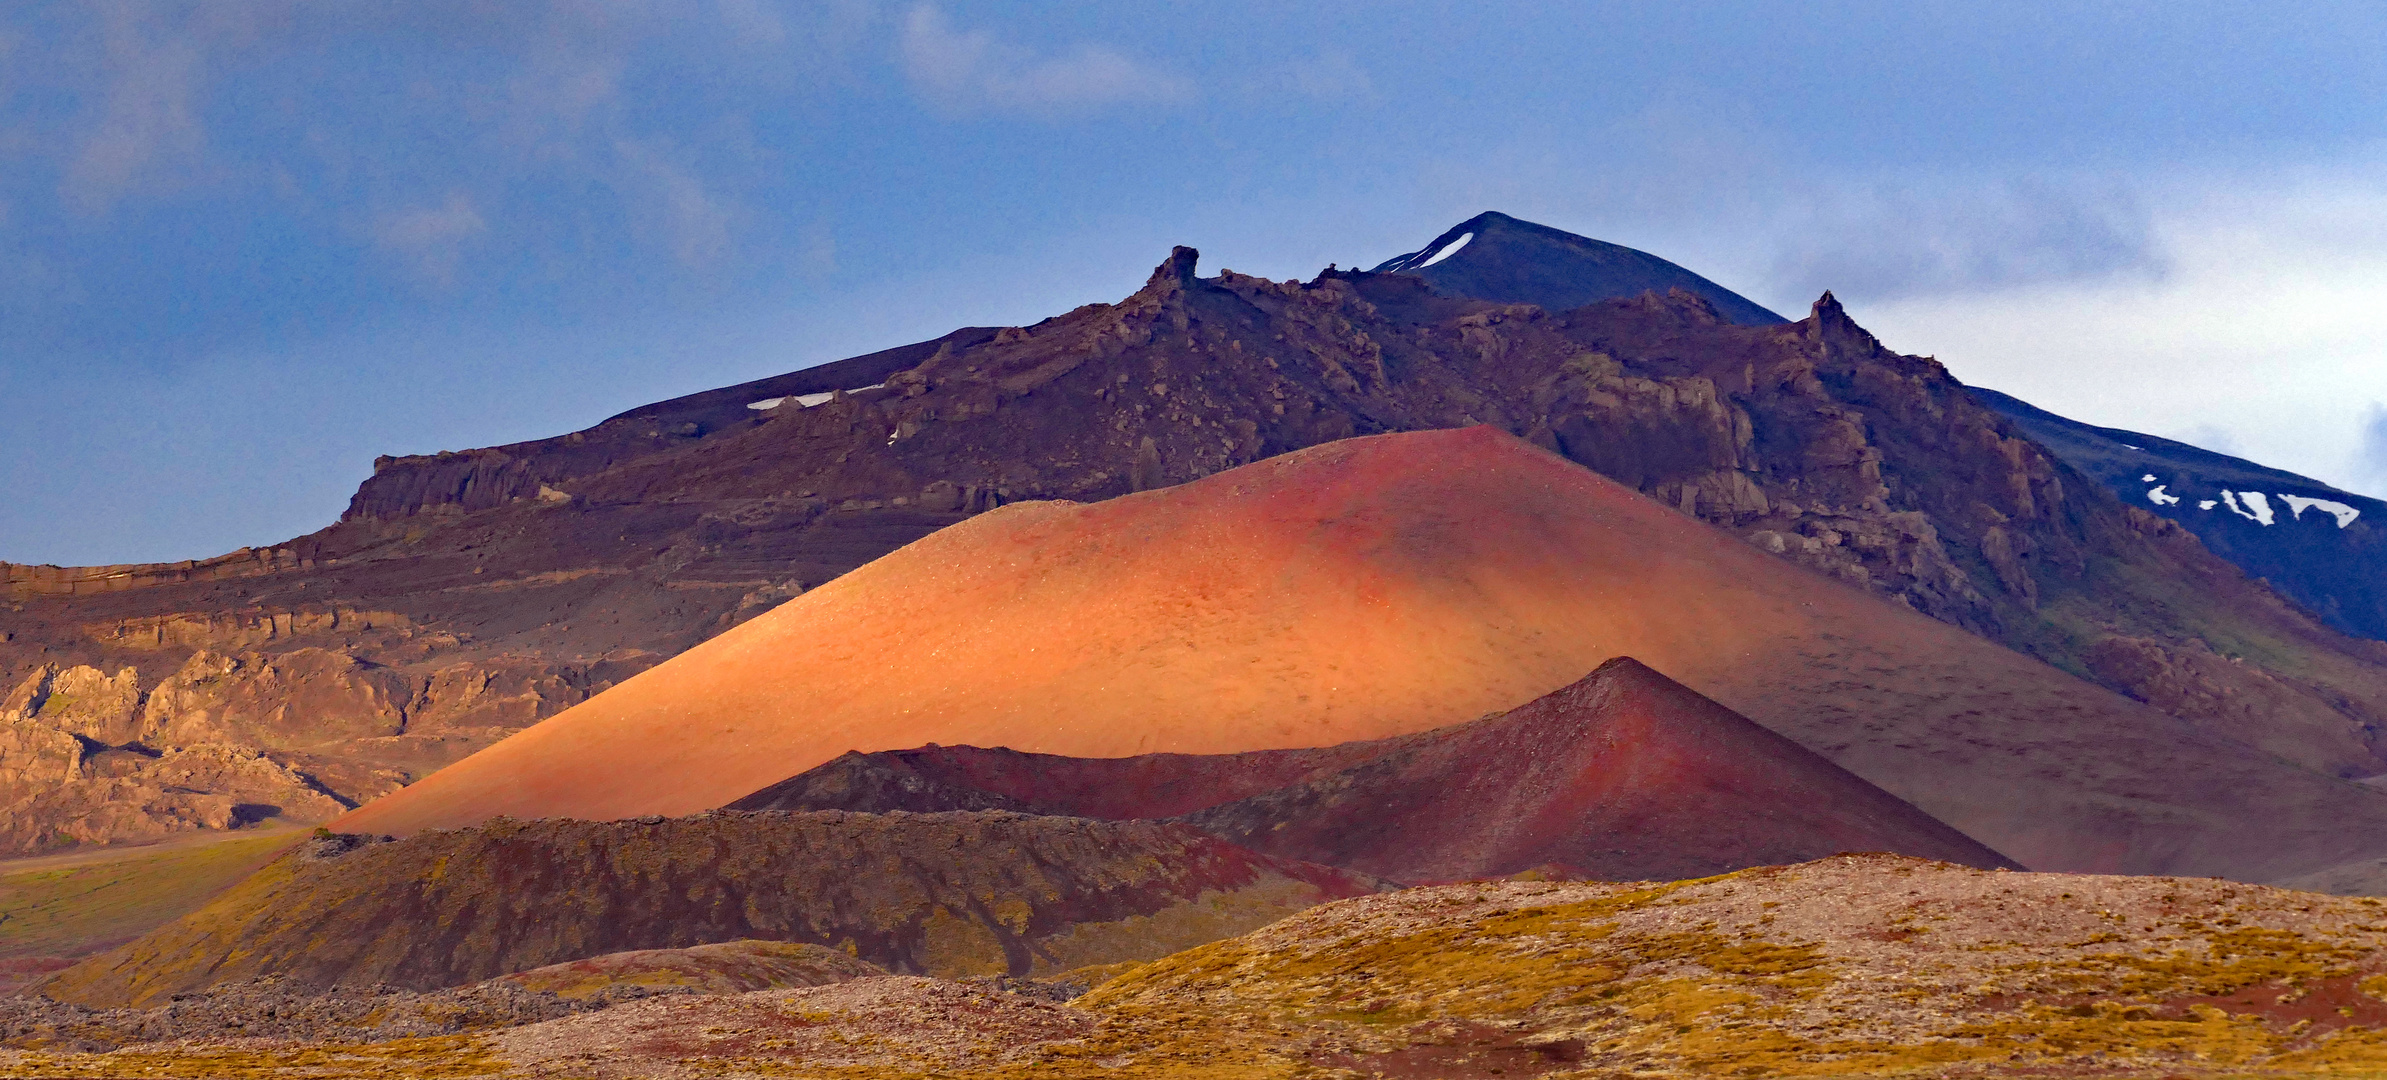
(17, 579)
(228, 739)
(122, 797)
(81, 701)
(299, 699)
(242, 630)
(36, 755)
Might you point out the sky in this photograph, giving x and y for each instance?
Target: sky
(247, 246)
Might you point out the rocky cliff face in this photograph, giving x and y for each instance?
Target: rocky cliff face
(227, 739)
(504, 590)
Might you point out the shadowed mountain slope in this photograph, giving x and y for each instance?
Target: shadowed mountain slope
(941, 894)
(1385, 586)
(1493, 256)
(2324, 547)
(1626, 775)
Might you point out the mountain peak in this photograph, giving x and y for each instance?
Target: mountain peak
(1178, 269)
(1493, 256)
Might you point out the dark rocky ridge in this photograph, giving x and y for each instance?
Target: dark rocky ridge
(1809, 439)
(1624, 776)
(1518, 262)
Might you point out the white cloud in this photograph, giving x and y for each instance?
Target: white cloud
(2270, 329)
(968, 70)
(1898, 238)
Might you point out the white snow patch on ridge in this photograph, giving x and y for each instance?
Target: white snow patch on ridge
(805, 400)
(2160, 497)
(1447, 252)
(2251, 505)
(2298, 504)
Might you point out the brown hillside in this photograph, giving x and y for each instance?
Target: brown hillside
(468, 594)
(1625, 775)
(943, 894)
(1385, 586)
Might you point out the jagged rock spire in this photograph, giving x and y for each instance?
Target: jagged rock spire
(1178, 270)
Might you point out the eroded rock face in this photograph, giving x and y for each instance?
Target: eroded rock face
(302, 698)
(81, 700)
(37, 754)
(229, 739)
(123, 797)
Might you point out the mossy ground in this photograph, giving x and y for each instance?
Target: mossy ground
(75, 909)
(1852, 966)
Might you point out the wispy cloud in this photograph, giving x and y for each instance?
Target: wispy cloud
(432, 238)
(970, 70)
(675, 201)
(1327, 76)
(1892, 240)
(147, 120)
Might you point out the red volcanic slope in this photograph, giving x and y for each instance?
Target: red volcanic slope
(1383, 586)
(1626, 775)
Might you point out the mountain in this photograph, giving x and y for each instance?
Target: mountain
(1625, 775)
(466, 595)
(1383, 586)
(1493, 256)
(2321, 546)
(946, 894)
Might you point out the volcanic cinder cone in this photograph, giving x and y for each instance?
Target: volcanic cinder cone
(1383, 586)
(1625, 775)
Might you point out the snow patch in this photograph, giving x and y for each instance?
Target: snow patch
(2162, 498)
(810, 400)
(2251, 505)
(2147, 479)
(2127, 446)
(2206, 504)
(1447, 252)
(2298, 504)
(766, 403)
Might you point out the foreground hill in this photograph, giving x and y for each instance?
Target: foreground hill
(1385, 586)
(942, 894)
(1626, 775)
(1850, 966)
(465, 595)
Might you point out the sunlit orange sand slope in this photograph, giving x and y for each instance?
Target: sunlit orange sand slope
(1380, 586)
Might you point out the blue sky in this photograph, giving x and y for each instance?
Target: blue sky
(244, 247)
